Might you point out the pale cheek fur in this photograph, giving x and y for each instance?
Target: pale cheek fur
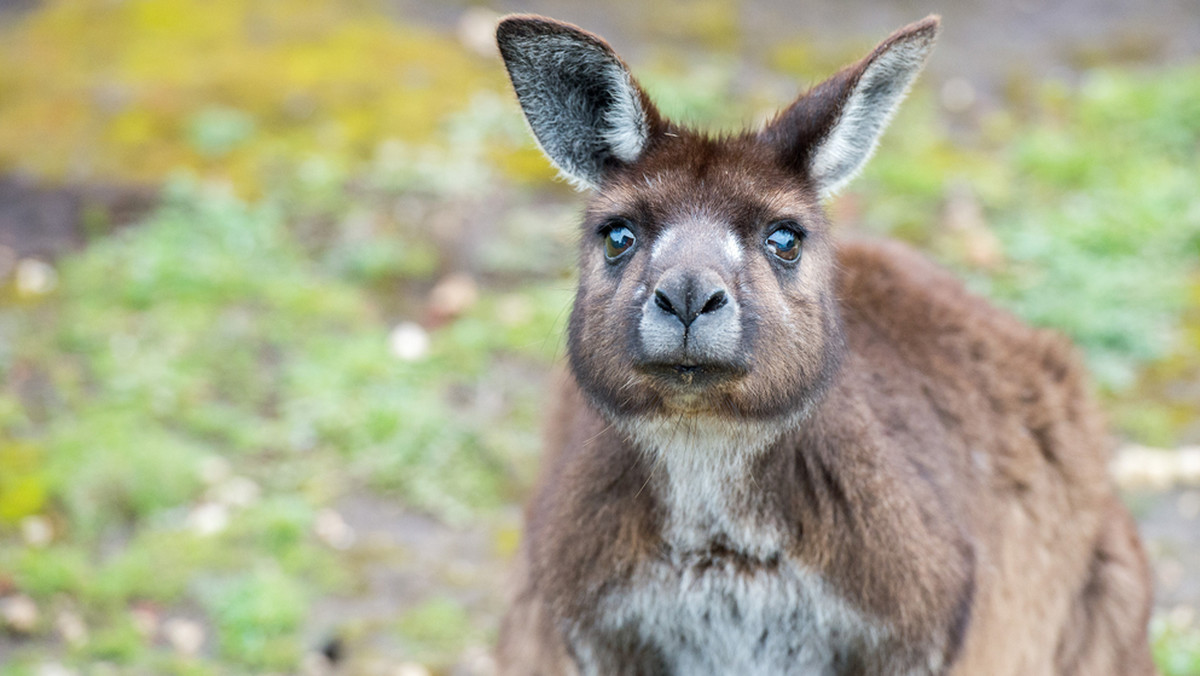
(733, 249)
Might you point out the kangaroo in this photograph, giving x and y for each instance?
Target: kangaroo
(778, 454)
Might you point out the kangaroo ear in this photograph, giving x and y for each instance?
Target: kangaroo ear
(582, 104)
(830, 132)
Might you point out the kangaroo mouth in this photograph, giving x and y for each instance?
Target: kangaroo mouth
(691, 375)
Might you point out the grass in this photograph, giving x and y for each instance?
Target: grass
(1176, 646)
(209, 332)
(199, 387)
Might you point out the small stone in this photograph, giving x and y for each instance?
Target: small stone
(514, 310)
(1187, 464)
(37, 531)
(185, 636)
(145, 621)
(1142, 467)
(19, 614)
(71, 627)
(209, 518)
(214, 469)
(410, 669)
(958, 95)
(35, 278)
(409, 341)
(1159, 470)
(237, 491)
(55, 669)
(333, 530)
(452, 296)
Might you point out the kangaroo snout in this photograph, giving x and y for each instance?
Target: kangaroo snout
(687, 294)
(691, 319)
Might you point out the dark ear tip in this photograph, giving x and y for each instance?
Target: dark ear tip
(532, 25)
(922, 32)
(927, 27)
(514, 25)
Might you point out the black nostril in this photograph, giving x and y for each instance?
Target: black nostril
(661, 300)
(715, 302)
(682, 301)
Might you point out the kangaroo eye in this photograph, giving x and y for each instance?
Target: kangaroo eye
(784, 243)
(617, 240)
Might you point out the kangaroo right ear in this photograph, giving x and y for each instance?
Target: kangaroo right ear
(831, 131)
(582, 104)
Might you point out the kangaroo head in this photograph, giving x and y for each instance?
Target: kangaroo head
(707, 269)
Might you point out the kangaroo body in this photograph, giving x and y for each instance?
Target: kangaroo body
(774, 454)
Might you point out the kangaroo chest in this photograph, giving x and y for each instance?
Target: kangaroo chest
(713, 613)
(723, 596)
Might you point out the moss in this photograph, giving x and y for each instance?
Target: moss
(257, 615)
(437, 629)
(23, 482)
(1176, 647)
(117, 641)
(130, 91)
(45, 572)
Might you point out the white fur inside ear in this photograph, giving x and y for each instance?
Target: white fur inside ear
(580, 102)
(626, 120)
(865, 114)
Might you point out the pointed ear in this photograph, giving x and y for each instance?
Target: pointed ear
(582, 104)
(830, 132)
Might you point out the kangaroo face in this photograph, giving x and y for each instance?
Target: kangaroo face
(705, 285)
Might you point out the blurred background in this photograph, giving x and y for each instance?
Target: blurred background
(281, 283)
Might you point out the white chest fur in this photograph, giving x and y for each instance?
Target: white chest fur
(701, 474)
(717, 617)
(741, 607)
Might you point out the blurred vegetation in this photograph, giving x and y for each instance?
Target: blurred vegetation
(209, 334)
(197, 389)
(230, 88)
(1090, 198)
(1176, 647)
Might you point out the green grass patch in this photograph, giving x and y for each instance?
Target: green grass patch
(1176, 648)
(225, 87)
(436, 630)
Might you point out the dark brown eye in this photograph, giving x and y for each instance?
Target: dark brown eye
(784, 243)
(617, 241)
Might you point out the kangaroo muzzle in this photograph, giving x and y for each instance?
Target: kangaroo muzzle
(691, 322)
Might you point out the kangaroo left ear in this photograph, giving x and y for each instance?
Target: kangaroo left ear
(830, 132)
(583, 106)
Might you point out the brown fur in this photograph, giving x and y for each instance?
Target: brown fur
(948, 475)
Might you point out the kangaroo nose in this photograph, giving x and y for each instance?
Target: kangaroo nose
(689, 294)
